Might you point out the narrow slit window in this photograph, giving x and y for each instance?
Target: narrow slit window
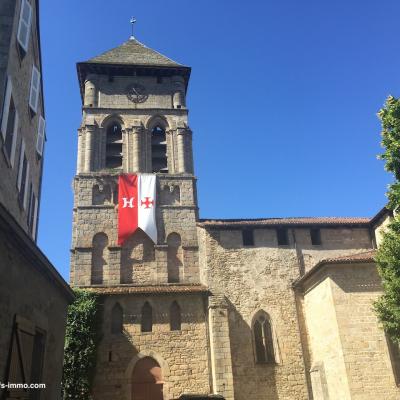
(147, 318)
(248, 237)
(114, 146)
(315, 237)
(159, 159)
(282, 235)
(117, 322)
(175, 317)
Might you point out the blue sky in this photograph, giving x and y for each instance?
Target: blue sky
(283, 99)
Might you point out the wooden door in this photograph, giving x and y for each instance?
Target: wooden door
(147, 383)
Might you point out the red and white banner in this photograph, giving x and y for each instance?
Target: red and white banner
(136, 206)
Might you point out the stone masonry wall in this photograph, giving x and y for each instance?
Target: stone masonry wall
(363, 341)
(19, 67)
(253, 279)
(327, 359)
(91, 218)
(182, 354)
(260, 277)
(30, 294)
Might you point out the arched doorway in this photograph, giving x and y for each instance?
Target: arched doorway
(147, 382)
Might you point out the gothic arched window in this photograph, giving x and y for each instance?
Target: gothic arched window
(174, 257)
(175, 318)
(159, 159)
(99, 257)
(147, 318)
(114, 145)
(263, 339)
(117, 319)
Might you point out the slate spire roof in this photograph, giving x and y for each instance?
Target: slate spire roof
(132, 52)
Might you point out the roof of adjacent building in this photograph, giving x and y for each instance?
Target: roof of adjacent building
(356, 258)
(153, 289)
(367, 256)
(132, 52)
(299, 221)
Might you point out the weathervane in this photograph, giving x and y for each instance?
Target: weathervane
(132, 21)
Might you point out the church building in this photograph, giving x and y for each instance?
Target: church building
(249, 309)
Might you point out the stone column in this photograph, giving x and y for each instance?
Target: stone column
(181, 138)
(79, 164)
(90, 98)
(126, 150)
(179, 92)
(136, 153)
(89, 138)
(220, 347)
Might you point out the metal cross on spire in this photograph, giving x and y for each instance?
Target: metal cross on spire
(132, 21)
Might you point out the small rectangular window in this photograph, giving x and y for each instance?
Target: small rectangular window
(40, 136)
(315, 237)
(6, 108)
(24, 27)
(248, 237)
(35, 89)
(282, 235)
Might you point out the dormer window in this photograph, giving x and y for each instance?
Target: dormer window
(114, 145)
(159, 160)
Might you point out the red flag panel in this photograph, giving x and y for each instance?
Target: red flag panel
(127, 206)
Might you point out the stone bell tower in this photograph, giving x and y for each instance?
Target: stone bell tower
(135, 120)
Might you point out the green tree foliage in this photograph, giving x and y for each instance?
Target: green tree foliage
(81, 340)
(388, 254)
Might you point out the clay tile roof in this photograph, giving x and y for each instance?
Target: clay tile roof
(351, 258)
(358, 258)
(153, 289)
(132, 52)
(308, 221)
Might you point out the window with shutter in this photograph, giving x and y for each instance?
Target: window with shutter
(22, 161)
(31, 207)
(26, 186)
(14, 139)
(11, 132)
(6, 107)
(35, 217)
(23, 185)
(40, 136)
(25, 20)
(35, 89)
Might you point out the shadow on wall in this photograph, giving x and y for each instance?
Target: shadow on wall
(252, 380)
